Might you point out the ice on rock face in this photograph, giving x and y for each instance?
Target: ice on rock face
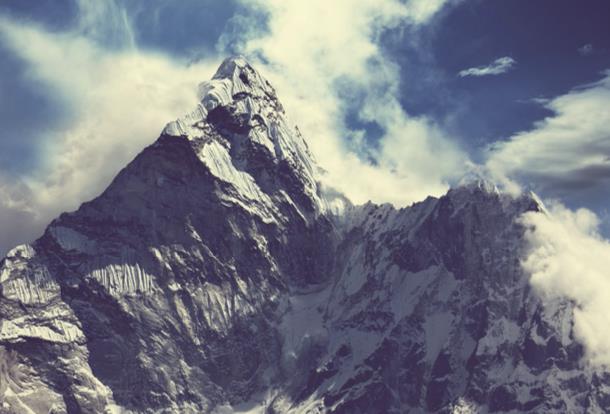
(222, 306)
(235, 83)
(218, 159)
(32, 287)
(24, 251)
(70, 239)
(502, 331)
(463, 406)
(234, 77)
(239, 103)
(55, 330)
(24, 280)
(124, 279)
(27, 283)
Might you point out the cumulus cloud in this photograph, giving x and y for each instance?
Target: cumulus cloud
(322, 69)
(565, 152)
(119, 102)
(567, 258)
(497, 67)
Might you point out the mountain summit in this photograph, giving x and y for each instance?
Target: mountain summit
(212, 276)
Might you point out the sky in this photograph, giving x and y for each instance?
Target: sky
(398, 99)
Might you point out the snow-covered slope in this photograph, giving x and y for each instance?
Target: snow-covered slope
(213, 276)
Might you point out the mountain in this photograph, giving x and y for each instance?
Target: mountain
(216, 275)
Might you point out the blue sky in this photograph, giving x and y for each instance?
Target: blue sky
(543, 37)
(409, 95)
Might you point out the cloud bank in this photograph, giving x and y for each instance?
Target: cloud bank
(497, 67)
(567, 258)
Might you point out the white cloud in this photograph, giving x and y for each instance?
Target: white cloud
(568, 258)
(566, 151)
(311, 51)
(497, 67)
(120, 102)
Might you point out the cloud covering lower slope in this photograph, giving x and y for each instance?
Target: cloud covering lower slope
(568, 258)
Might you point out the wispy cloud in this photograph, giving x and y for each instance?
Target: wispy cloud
(565, 152)
(586, 50)
(497, 67)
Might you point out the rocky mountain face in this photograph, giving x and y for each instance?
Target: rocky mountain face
(215, 275)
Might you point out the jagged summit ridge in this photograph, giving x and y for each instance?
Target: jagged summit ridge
(234, 80)
(243, 76)
(240, 125)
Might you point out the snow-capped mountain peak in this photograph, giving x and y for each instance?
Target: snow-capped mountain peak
(212, 276)
(240, 131)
